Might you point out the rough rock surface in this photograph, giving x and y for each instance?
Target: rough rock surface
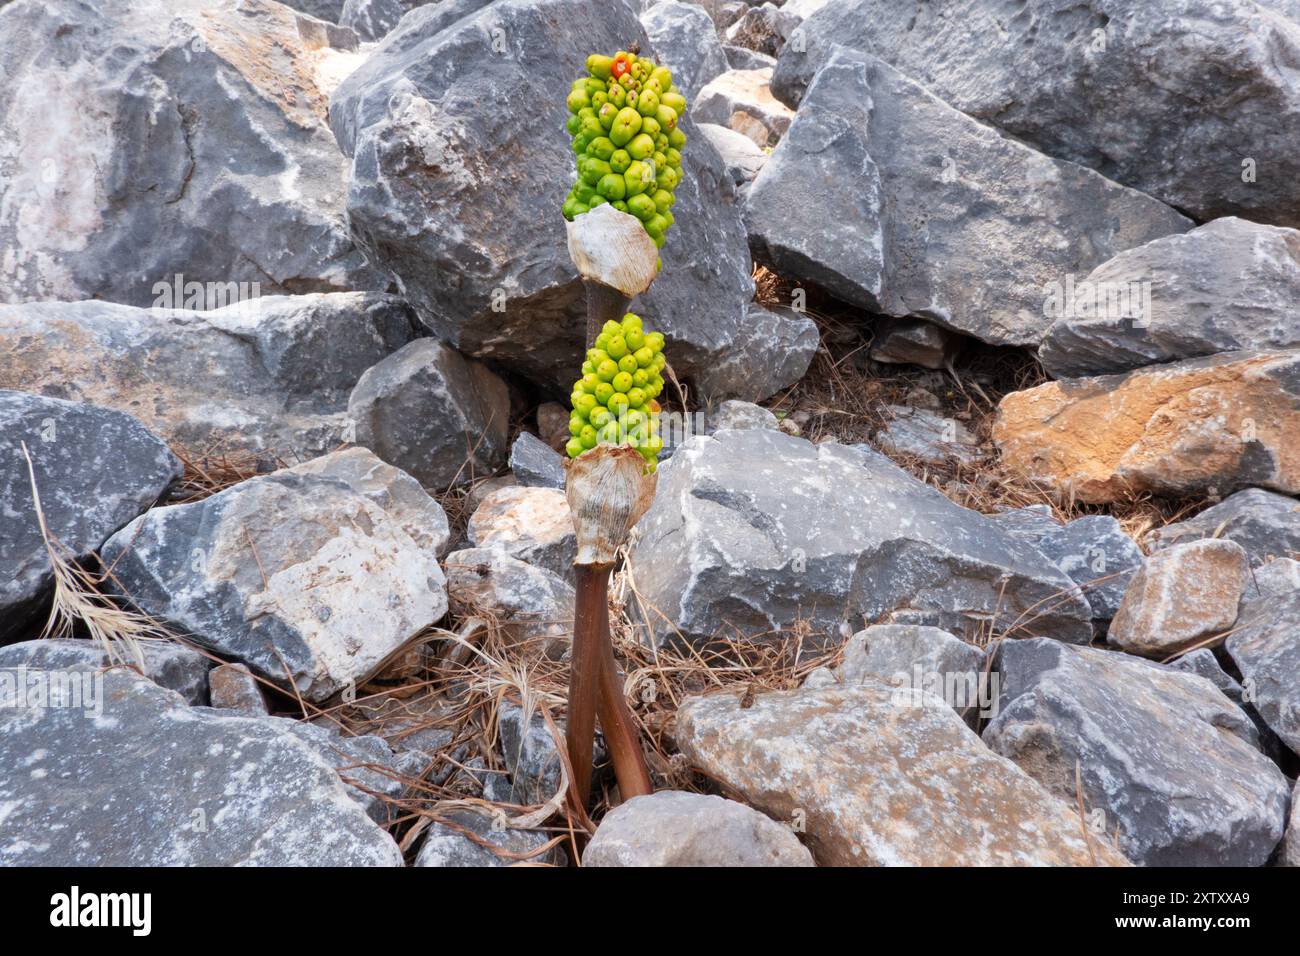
(295, 571)
(533, 605)
(1203, 425)
(531, 524)
(234, 687)
(95, 470)
(894, 201)
(913, 342)
(535, 464)
(763, 28)
(374, 19)
(687, 43)
(754, 530)
(1180, 597)
(441, 418)
(268, 377)
(1105, 83)
(740, 100)
(166, 663)
(153, 782)
(743, 58)
(460, 202)
(471, 838)
(918, 433)
(742, 158)
(675, 828)
(1263, 522)
(1093, 550)
(771, 352)
(1265, 646)
(1291, 852)
(120, 121)
(531, 756)
(875, 783)
(1223, 287)
(741, 416)
(1165, 757)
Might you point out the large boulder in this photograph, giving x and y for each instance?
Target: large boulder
(1208, 425)
(687, 43)
(166, 663)
(95, 470)
(150, 781)
(150, 144)
(1225, 286)
(374, 19)
(460, 161)
(675, 828)
(1181, 597)
(310, 579)
(1263, 522)
(741, 101)
(1265, 646)
(1191, 101)
(1163, 757)
(441, 418)
(269, 377)
(871, 782)
(895, 201)
(756, 530)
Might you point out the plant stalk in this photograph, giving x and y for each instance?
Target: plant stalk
(590, 621)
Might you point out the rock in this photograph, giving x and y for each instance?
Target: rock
(553, 425)
(121, 119)
(367, 765)
(687, 43)
(328, 10)
(95, 470)
(154, 782)
(461, 203)
(675, 828)
(917, 433)
(752, 531)
(1093, 550)
(1164, 758)
(1203, 663)
(743, 58)
(913, 342)
(894, 201)
(741, 100)
(1180, 597)
(233, 687)
(1266, 524)
(535, 464)
(724, 13)
(741, 416)
(742, 158)
(1225, 286)
(533, 605)
(763, 29)
(269, 377)
(1208, 425)
(922, 659)
(875, 783)
(531, 524)
(474, 838)
(431, 412)
(481, 489)
(166, 663)
(1265, 646)
(1291, 850)
(391, 489)
(296, 574)
(773, 352)
(1278, 578)
(530, 755)
(375, 19)
(1101, 83)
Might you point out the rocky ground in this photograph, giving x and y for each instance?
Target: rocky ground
(982, 546)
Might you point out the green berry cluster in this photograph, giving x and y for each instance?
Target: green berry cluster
(614, 401)
(623, 119)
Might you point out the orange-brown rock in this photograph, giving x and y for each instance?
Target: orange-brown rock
(1205, 425)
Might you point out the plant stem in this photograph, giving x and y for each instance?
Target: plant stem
(590, 617)
(618, 724)
(603, 304)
